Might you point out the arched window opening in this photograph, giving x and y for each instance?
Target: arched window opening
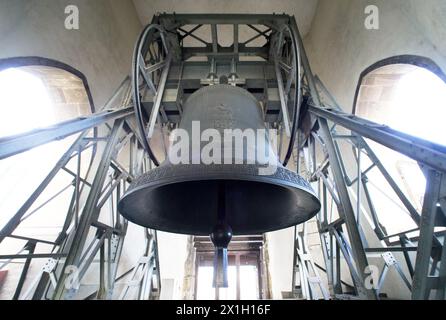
(33, 97)
(38, 96)
(410, 99)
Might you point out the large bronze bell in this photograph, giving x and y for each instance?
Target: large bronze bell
(232, 197)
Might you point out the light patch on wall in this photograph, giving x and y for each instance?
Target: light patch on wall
(420, 106)
(25, 104)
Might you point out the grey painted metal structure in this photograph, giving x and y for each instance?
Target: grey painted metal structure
(99, 181)
(173, 60)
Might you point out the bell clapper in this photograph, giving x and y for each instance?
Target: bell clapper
(221, 237)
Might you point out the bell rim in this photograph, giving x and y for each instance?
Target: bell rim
(228, 176)
(223, 175)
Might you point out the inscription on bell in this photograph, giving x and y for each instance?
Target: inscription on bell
(225, 117)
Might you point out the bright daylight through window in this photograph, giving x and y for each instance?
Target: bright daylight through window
(25, 102)
(412, 100)
(34, 97)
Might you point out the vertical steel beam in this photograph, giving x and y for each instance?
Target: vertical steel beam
(236, 44)
(441, 291)
(404, 241)
(283, 97)
(421, 287)
(214, 38)
(346, 211)
(337, 278)
(89, 212)
(103, 283)
(31, 248)
(159, 96)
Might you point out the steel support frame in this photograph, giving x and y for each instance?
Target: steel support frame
(335, 186)
(430, 250)
(429, 246)
(310, 283)
(340, 236)
(144, 274)
(343, 236)
(71, 250)
(169, 29)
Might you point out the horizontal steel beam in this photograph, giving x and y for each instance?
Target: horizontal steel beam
(225, 18)
(423, 151)
(231, 248)
(31, 239)
(32, 256)
(13, 145)
(235, 239)
(225, 51)
(391, 249)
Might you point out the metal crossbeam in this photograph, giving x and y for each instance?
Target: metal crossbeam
(10, 146)
(418, 149)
